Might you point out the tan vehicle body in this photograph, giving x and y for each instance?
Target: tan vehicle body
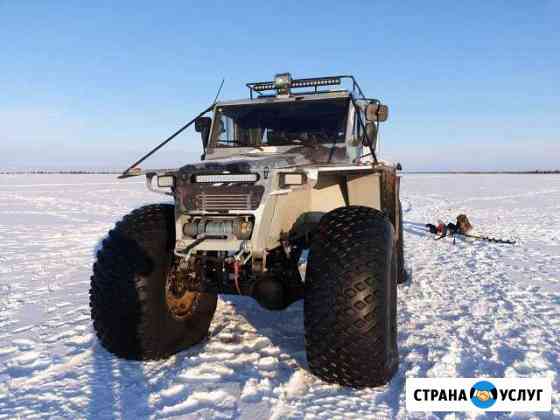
(332, 180)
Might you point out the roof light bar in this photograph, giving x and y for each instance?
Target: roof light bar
(319, 81)
(261, 86)
(283, 81)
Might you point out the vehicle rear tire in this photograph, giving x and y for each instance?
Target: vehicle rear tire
(401, 272)
(129, 294)
(350, 299)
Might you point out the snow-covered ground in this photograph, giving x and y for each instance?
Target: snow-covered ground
(471, 309)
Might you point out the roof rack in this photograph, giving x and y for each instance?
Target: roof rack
(283, 82)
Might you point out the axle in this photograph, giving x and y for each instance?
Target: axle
(217, 274)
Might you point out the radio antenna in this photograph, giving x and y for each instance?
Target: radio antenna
(128, 173)
(219, 91)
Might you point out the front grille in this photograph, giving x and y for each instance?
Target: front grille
(224, 202)
(221, 198)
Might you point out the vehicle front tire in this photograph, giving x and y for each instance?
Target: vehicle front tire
(350, 299)
(130, 287)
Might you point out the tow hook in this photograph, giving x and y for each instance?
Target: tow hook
(238, 262)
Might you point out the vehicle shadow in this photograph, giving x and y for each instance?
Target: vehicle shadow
(283, 328)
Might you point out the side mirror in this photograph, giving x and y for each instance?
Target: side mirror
(377, 112)
(202, 126)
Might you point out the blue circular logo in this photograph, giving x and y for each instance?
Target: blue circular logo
(483, 394)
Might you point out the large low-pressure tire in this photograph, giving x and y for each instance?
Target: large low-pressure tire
(130, 291)
(350, 299)
(401, 272)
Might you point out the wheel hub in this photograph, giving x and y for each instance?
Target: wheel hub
(180, 302)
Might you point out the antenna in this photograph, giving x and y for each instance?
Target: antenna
(219, 91)
(127, 173)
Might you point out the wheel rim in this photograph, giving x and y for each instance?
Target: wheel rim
(180, 302)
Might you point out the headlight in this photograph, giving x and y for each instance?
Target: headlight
(165, 181)
(218, 179)
(289, 179)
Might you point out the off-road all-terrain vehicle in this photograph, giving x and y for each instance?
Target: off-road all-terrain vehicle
(281, 174)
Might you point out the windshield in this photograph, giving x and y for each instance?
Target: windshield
(280, 124)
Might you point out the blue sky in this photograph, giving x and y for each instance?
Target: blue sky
(472, 85)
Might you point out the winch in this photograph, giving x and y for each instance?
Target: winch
(240, 227)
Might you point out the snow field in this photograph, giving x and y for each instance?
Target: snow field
(470, 309)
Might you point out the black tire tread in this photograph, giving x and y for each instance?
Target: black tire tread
(126, 311)
(401, 272)
(350, 338)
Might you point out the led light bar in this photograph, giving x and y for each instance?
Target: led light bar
(262, 86)
(295, 83)
(221, 178)
(318, 81)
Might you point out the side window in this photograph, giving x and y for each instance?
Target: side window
(225, 131)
